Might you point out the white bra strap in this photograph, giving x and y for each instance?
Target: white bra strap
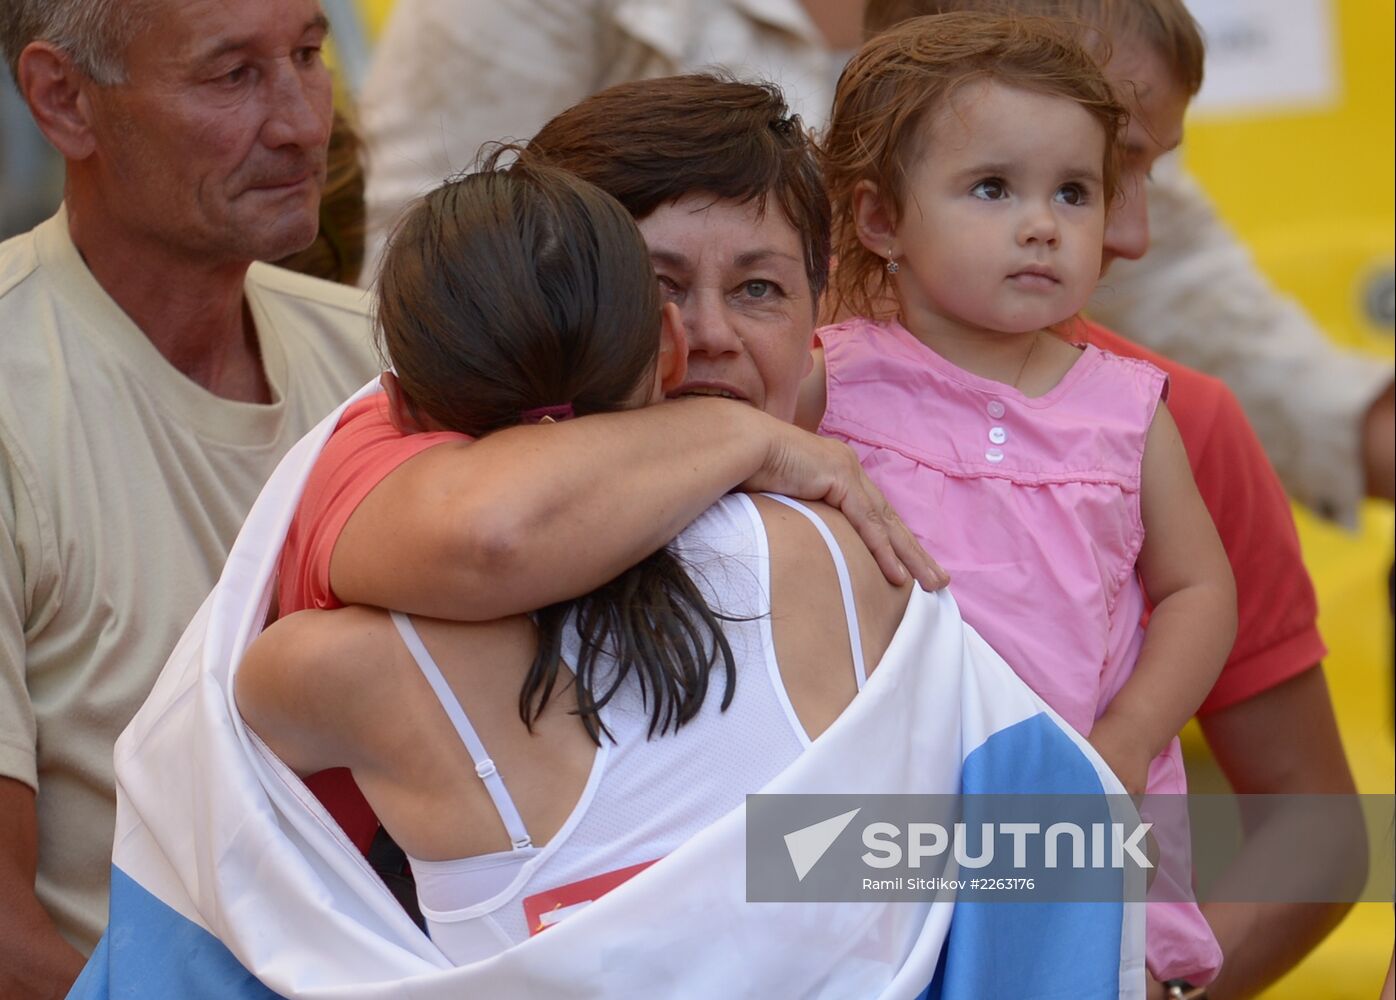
(850, 610)
(484, 767)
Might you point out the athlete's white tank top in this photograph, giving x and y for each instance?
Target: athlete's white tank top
(644, 797)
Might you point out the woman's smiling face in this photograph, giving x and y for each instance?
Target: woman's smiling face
(738, 278)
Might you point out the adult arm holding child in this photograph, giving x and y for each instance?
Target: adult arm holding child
(1188, 580)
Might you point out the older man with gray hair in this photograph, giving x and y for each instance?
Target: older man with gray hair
(153, 377)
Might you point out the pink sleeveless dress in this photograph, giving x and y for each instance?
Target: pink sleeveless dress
(1032, 505)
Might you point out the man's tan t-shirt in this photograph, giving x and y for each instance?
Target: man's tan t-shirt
(122, 486)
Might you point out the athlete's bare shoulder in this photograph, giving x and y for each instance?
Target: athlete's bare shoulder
(801, 561)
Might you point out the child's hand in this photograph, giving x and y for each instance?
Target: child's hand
(1126, 758)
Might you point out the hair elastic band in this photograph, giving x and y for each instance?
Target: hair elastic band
(548, 414)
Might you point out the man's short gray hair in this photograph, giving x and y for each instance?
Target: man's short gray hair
(94, 33)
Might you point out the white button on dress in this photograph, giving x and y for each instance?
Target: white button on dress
(994, 455)
(996, 409)
(997, 435)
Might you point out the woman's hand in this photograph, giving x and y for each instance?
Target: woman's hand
(801, 465)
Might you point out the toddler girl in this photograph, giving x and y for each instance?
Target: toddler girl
(970, 160)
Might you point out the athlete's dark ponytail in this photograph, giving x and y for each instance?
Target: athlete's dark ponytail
(509, 293)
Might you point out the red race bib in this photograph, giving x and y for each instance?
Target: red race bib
(543, 909)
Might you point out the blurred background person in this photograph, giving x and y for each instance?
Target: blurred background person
(448, 76)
